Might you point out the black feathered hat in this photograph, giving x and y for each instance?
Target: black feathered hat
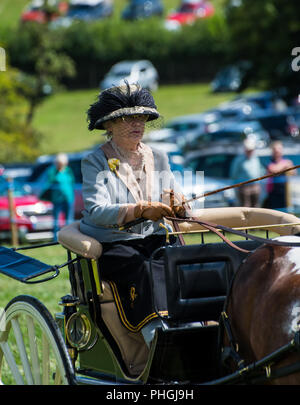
(120, 101)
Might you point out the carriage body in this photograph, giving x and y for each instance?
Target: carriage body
(97, 348)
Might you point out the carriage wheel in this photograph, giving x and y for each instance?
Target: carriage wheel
(32, 350)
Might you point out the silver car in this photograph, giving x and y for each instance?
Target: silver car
(138, 71)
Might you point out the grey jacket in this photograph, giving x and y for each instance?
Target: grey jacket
(106, 191)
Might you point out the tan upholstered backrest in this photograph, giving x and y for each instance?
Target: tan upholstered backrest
(71, 238)
(235, 217)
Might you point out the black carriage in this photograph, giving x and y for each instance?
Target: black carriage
(88, 344)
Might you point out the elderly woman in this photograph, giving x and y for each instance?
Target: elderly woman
(59, 188)
(124, 180)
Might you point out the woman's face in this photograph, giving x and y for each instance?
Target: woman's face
(129, 128)
(277, 151)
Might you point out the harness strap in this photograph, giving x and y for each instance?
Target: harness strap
(215, 227)
(231, 351)
(212, 228)
(176, 227)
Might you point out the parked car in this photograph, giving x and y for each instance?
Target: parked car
(85, 10)
(237, 110)
(190, 122)
(295, 112)
(179, 127)
(188, 12)
(265, 100)
(37, 179)
(279, 125)
(19, 172)
(230, 78)
(138, 9)
(180, 130)
(33, 217)
(216, 161)
(136, 71)
(225, 133)
(176, 159)
(34, 11)
(193, 184)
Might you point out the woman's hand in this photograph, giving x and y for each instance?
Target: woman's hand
(152, 210)
(175, 201)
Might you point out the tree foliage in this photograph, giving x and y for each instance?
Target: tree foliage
(191, 54)
(19, 142)
(36, 49)
(264, 33)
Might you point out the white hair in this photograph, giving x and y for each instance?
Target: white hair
(62, 158)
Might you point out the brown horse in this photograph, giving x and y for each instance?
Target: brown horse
(264, 305)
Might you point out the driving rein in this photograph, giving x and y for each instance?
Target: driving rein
(217, 228)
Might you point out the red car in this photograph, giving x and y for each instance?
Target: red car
(34, 12)
(189, 12)
(33, 217)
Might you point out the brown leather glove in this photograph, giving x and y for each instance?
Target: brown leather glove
(175, 201)
(152, 210)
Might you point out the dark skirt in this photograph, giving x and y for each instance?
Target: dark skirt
(126, 266)
(276, 199)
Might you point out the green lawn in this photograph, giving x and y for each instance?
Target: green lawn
(49, 292)
(10, 11)
(62, 118)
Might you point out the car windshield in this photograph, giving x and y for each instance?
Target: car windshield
(213, 165)
(83, 9)
(187, 8)
(18, 189)
(274, 121)
(120, 71)
(226, 135)
(183, 126)
(37, 170)
(40, 168)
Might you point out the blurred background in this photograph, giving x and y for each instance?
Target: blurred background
(221, 71)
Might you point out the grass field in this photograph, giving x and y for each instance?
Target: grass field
(62, 118)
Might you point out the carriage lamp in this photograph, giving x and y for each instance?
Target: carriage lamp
(78, 330)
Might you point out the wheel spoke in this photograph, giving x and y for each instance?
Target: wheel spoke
(57, 379)
(34, 351)
(22, 350)
(11, 363)
(45, 360)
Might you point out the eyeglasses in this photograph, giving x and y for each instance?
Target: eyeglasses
(134, 118)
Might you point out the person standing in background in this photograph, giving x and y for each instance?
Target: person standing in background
(277, 185)
(60, 191)
(244, 168)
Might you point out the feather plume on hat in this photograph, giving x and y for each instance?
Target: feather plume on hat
(120, 101)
